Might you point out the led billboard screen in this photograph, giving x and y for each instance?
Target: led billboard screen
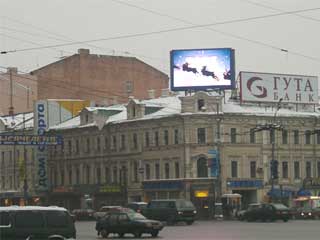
(202, 69)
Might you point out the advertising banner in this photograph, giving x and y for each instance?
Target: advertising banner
(202, 69)
(30, 140)
(271, 87)
(214, 163)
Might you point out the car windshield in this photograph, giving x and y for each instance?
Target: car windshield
(280, 206)
(184, 204)
(136, 216)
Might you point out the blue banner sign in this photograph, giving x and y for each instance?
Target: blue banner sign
(245, 184)
(214, 163)
(30, 140)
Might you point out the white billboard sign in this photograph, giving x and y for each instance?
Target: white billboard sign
(270, 87)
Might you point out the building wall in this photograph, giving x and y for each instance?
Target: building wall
(100, 78)
(23, 98)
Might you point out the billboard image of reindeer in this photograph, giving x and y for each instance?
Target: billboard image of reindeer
(202, 69)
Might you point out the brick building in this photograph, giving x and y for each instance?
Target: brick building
(100, 78)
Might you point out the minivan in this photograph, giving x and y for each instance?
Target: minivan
(171, 211)
(35, 222)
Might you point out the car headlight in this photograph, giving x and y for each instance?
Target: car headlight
(148, 224)
(194, 211)
(302, 214)
(180, 213)
(309, 213)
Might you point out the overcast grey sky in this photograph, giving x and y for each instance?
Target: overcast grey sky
(257, 42)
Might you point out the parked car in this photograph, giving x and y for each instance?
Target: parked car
(137, 206)
(36, 222)
(305, 213)
(251, 206)
(268, 212)
(83, 214)
(171, 211)
(106, 209)
(127, 222)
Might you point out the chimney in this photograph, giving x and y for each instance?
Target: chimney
(151, 93)
(13, 70)
(83, 51)
(165, 92)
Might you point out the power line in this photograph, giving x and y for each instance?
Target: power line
(170, 30)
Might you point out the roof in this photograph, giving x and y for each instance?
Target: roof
(18, 121)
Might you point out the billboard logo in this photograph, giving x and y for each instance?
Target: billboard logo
(263, 90)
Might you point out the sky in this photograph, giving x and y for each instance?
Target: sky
(277, 36)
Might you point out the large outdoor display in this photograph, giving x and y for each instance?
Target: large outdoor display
(271, 87)
(202, 69)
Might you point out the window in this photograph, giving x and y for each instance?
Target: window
(157, 170)
(57, 219)
(202, 167)
(115, 175)
(98, 175)
(105, 143)
(77, 176)
(296, 170)
(176, 136)
(107, 175)
(284, 136)
(77, 146)
(135, 172)
(308, 169)
(156, 138)
(318, 169)
(201, 135)
(296, 136)
(307, 137)
(135, 141)
(28, 219)
(167, 170)
(318, 136)
(252, 136)
(200, 104)
(114, 142)
(233, 135)
(253, 167)
(234, 169)
(133, 111)
(166, 137)
(87, 118)
(285, 169)
(147, 171)
(98, 144)
(129, 86)
(177, 169)
(69, 147)
(147, 139)
(88, 145)
(123, 141)
(272, 136)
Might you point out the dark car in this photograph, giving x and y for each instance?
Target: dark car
(304, 213)
(241, 213)
(83, 214)
(137, 206)
(171, 211)
(268, 212)
(127, 222)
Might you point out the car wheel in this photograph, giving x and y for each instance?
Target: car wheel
(189, 222)
(137, 234)
(154, 233)
(104, 233)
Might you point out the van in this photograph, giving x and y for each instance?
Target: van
(171, 211)
(34, 222)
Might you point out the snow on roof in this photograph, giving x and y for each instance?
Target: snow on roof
(16, 121)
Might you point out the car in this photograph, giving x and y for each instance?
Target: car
(131, 222)
(171, 211)
(304, 213)
(268, 212)
(241, 213)
(137, 206)
(83, 214)
(35, 222)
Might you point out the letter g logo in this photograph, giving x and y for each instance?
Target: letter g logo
(262, 90)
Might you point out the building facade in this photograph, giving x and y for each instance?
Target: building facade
(103, 79)
(162, 148)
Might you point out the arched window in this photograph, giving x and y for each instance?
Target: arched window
(202, 167)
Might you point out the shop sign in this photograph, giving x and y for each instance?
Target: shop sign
(311, 183)
(162, 185)
(201, 194)
(110, 189)
(30, 140)
(245, 184)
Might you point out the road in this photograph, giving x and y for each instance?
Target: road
(222, 230)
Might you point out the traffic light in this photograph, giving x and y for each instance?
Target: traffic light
(274, 169)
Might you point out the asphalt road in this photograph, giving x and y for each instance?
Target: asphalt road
(222, 230)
